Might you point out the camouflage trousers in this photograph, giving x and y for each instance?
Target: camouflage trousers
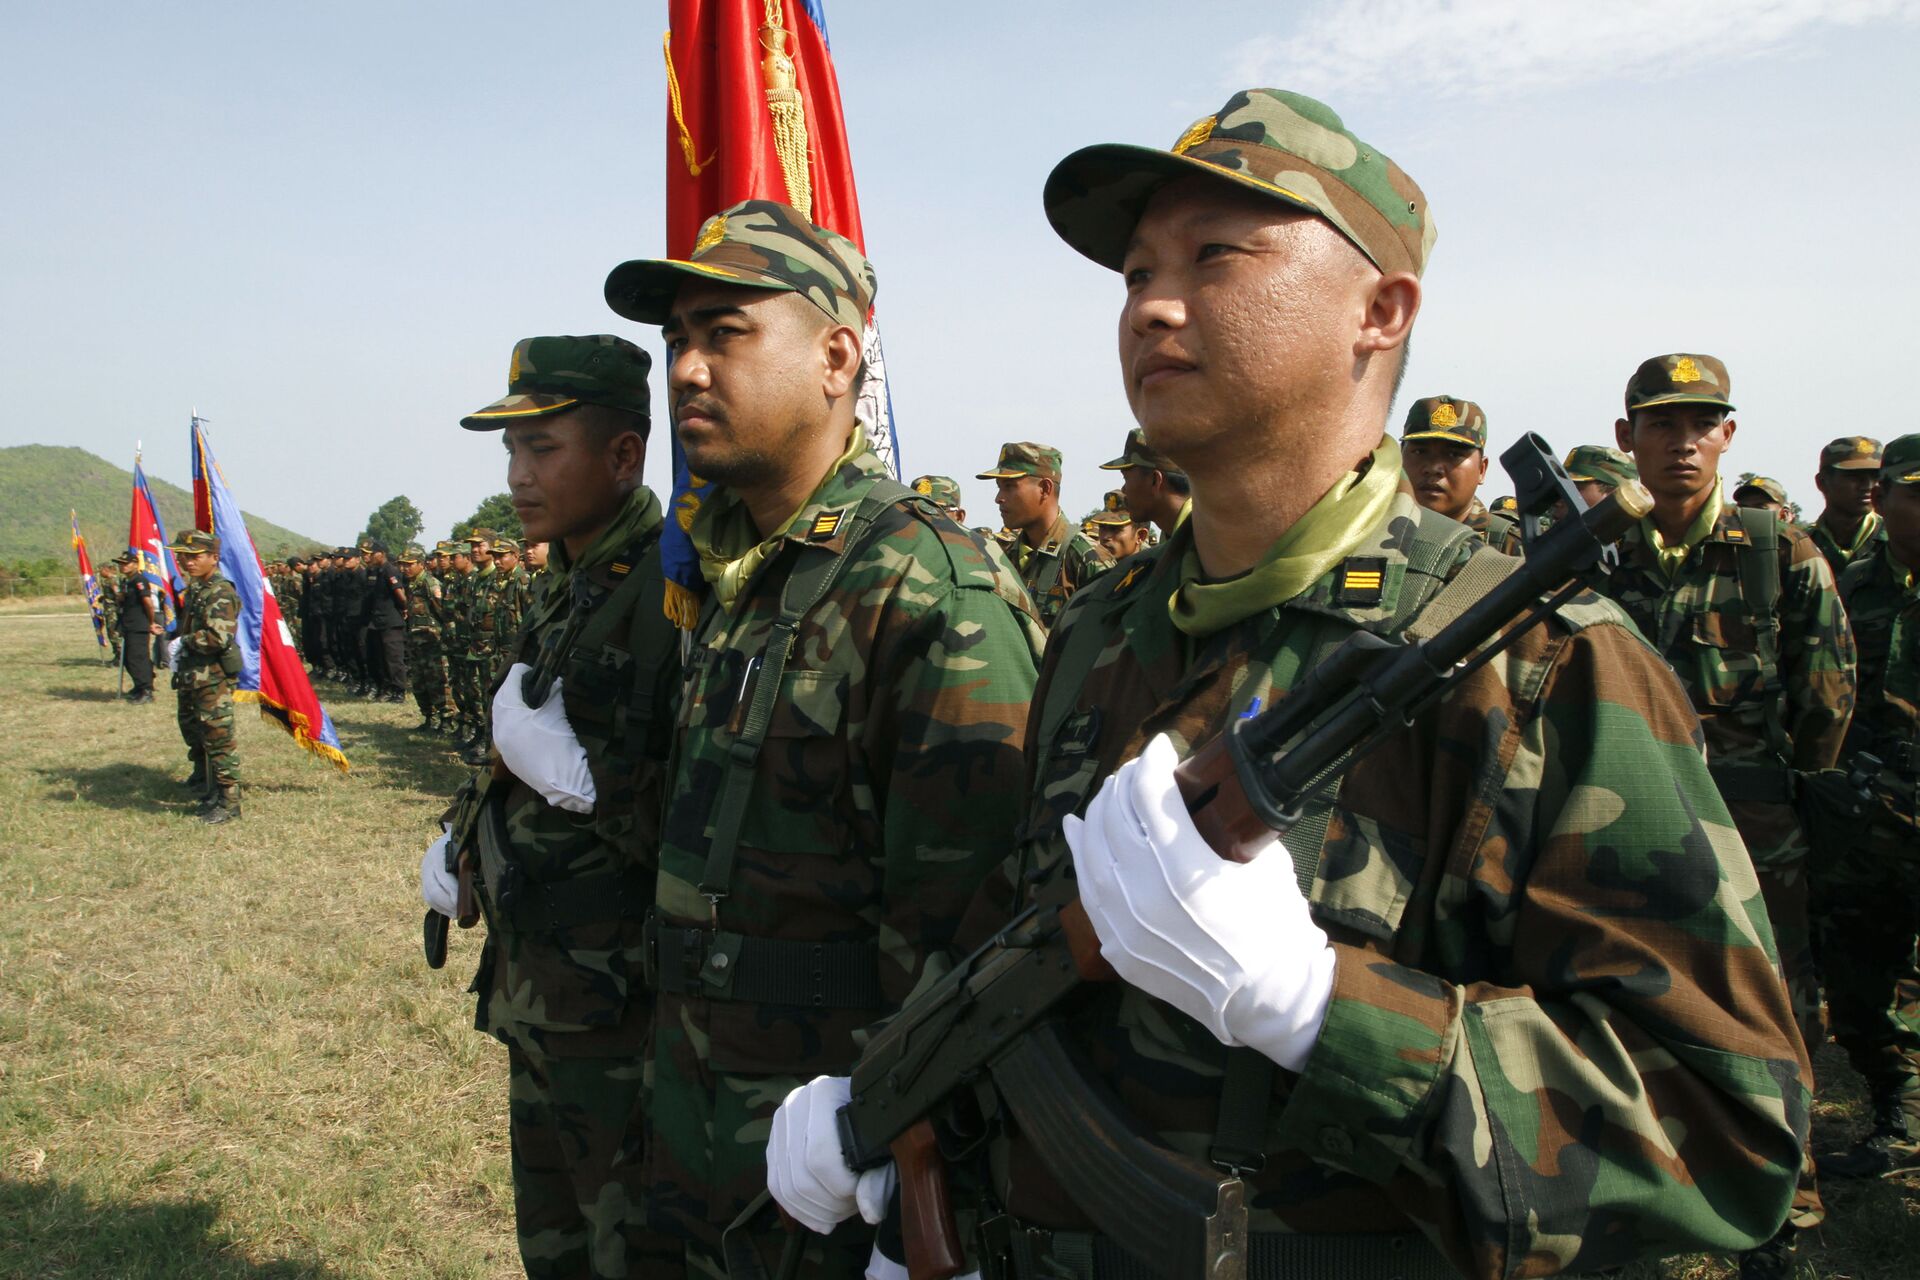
(1869, 913)
(473, 676)
(1784, 889)
(427, 669)
(577, 1126)
(206, 724)
(764, 1251)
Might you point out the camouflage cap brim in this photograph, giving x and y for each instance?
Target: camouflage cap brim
(1002, 474)
(1094, 197)
(643, 290)
(1449, 436)
(1118, 464)
(508, 410)
(1114, 518)
(1654, 402)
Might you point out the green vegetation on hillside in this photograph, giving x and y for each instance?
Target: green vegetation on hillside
(40, 482)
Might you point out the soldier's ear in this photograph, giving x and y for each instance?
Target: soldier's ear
(1623, 435)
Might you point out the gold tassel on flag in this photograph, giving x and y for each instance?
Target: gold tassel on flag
(789, 113)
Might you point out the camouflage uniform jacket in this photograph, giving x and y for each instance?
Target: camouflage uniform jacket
(1868, 541)
(1502, 533)
(483, 586)
(1557, 1040)
(457, 591)
(108, 598)
(1703, 625)
(209, 615)
(1883, 604)
(1053, 571)
(426, 606)
(577, 988)
(509, 607)
(889, 779)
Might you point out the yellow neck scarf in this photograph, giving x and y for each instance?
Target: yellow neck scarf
(1672, 557)
(1331, 530)
(729, 557)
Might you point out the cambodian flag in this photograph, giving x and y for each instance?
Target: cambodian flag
(87, 581)
(147, 539)
(271, 673)
(753, 113)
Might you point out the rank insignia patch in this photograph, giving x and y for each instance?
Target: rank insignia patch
(1363, 581)
(824, 525)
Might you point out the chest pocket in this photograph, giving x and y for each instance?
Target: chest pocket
(802, 767)
(1726, 645)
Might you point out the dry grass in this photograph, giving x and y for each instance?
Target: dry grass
(221, 1056)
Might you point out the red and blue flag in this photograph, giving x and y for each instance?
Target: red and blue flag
(147, 540)
(87, 581)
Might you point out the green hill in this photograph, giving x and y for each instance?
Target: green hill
(40, 482)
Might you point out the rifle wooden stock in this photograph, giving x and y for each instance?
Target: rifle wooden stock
(926, 1206)
(466, 904)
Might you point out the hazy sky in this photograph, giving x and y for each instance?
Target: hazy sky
(325, 226)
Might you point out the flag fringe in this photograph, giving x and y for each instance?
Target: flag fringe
(681, 605)
(295, 724)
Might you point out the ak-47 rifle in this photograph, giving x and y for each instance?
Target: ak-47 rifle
(479, 834)
(988, 1020)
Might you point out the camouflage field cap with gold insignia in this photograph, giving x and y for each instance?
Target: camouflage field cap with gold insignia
(193, 542)
(412, 553)
(1024, 458)
(1446, 418)
(1138, 453)
(482, 536)
(757, 244)
(1900, 462)
(446, 548)
(1282, 145)
(1679, 379)
(944, 490)
(1113, 510)
(1505, 505)
(1851, 453)
(548, 375)
(1774, 490)
(1597, 464)
(505, 547)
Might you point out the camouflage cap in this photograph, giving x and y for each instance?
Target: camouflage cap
(193, 542)
(1851, 453)
(1900, 462)
(1024, 458)
(505, 547)
(1774, 490)
(548, 375)
(447, 548)
(1280, 144)
(758, 244)
(944, 490)
(1113, 510)
(1679, 379)
(1597, 464)
(1138, 453)
(1505, 505)
(412, 553)
(1446, 418)
(482, 535)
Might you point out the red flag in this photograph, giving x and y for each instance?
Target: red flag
(87, 581)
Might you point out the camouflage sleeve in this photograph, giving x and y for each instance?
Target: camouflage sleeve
(1816, 656)
(1623, 1079)
(946, 753)
(220, 619)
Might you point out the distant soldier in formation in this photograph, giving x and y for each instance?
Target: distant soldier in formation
(1746, 612)
(207, 663)
(1443, 450)
(386, 644)
(291, 591)
(1596, 470)
(945, 493)
(140, 625)
(514, 597)
(353, 621)
(107, 597)
(313, 620)
(426, 625)
(1119, 534)
(458, 588)
(1849, 528)
(481, 601)
(1763, 493)
(1156, 491)
(1053, 558)
(1872, 910)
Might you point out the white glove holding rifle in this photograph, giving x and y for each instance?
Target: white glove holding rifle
(1231, 945)
(439, 887)
(173, 650)
(807, 1169)
(539, 745)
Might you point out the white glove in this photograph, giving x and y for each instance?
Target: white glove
(173, 652)
(539, 746)
(439, 887)
(1231, 945)
(807, 1170)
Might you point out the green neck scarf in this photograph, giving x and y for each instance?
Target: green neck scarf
(639, 513)
(1331, 530)
(1869, 525)
(724, 535)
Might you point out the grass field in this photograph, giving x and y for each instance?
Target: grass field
(221, 1057)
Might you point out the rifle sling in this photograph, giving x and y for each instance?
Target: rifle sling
(807, 584)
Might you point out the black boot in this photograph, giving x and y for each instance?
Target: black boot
(1887, 1145)
(1772, 1260)
(223, 805)
(197, 780)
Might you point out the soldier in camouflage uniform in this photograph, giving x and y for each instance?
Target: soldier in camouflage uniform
(481, 601)
(1156, 491)
(1745, 611)
(1764, 493)
(1849, 528)
(290, 591)
(426, 627)
(1597, 470)
(107, 596)
(1871, 901)
(204, 676)
(1536, 1026)
(510, 602)
(849, 742)
(1116, 530)
(567, 875)
(945, 493)
(1053, 558)
(1444, 450)
(458, 586)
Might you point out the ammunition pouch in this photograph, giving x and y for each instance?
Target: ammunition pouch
(230, 661)
(719, 965)
(520, 905)
(1012, 1250)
